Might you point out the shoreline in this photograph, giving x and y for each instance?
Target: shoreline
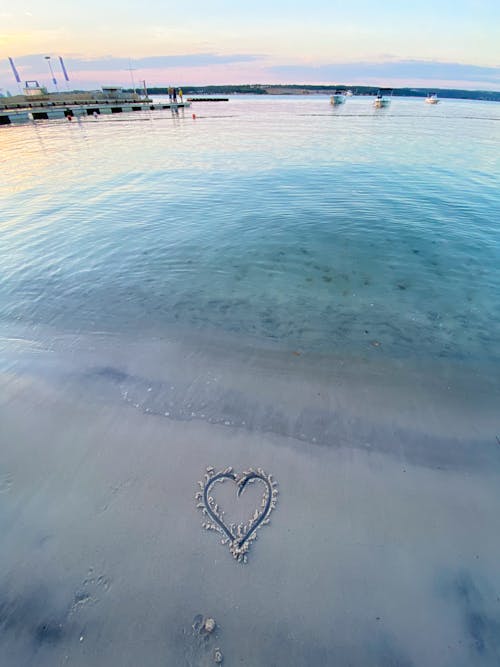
(364, 401)
(306, 296)
(99, 499)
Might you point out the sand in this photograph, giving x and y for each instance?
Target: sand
(382, 550)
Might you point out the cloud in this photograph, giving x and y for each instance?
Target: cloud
(389, 71)
(109, 63)
(96, 71)
(214, 68)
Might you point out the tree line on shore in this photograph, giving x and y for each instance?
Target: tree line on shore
(307, 89)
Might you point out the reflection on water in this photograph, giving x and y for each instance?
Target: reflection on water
(323, 232)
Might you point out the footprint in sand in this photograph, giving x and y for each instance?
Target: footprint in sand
(92, 589)
(6, 482)
(202, 649)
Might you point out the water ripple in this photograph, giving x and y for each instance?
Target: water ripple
(276, 220)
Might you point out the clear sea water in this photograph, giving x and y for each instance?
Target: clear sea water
(274, 283)
(333, 230)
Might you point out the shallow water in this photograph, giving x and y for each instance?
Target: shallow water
(273, 284)
(286, 220)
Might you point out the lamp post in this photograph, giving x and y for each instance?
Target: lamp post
(54, 80)
(131, 70)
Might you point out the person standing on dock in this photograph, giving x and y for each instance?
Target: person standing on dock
(180, 95)
(174, 95)
(170, 90)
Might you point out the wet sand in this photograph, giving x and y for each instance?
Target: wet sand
(382, 550)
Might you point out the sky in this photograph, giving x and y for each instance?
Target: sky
(424, 43)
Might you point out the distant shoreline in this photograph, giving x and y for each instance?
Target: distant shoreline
(310, 89)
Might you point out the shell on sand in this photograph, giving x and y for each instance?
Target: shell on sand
(209, 625)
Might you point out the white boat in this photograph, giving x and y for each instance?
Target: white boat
(349, 93)
(382, 99)
(337, 98)
(432, 99)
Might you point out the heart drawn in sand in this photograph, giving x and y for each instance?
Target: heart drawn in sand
(238, 536)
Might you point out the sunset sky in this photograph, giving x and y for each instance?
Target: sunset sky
(440, 43)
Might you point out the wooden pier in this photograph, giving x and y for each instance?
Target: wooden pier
(208, 99)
